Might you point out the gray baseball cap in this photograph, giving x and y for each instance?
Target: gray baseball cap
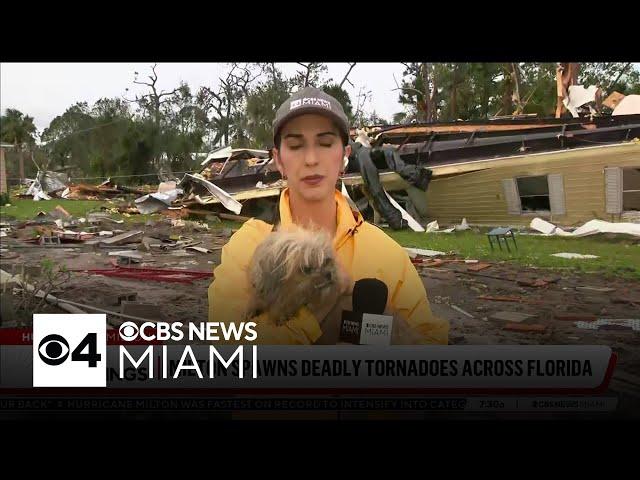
(312, 100)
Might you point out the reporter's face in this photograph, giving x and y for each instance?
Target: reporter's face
(311, 156)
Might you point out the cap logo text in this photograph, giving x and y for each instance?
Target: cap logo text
(310, 101)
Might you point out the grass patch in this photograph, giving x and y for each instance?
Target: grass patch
(27, 209)
(619, 255)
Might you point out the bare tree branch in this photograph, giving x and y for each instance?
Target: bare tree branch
(360, 101)
(409, 89)
(306, 76)
(345, 79)
(154, 79)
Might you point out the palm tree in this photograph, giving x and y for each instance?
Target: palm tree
(18, 129)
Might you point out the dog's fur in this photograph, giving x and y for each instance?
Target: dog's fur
(289, 269)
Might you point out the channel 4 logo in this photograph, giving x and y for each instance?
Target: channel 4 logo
(70, 350)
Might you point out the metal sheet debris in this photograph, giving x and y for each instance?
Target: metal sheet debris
(221, 154)
(432, 226)
(627, 324)
(592, 227)
(125, 253)
(542, 226)
(414, 252)
(127, 237)
(573, 255)
(199, 249)
(155, 202)
(35, 189)
(227, 200)
(415, 226)
(99, 217)
(463, 225)
(629, 105)
(578, 96)
(53, 181)
(600, 226)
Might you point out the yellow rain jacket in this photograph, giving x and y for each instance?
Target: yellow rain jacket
(364, 250)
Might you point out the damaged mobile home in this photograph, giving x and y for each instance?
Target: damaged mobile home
(510, 171)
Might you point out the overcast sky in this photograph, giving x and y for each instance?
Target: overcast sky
(45, 90)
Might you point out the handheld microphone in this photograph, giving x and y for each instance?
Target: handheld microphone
(367, 324)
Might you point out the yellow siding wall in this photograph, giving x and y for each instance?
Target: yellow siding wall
(479, 196)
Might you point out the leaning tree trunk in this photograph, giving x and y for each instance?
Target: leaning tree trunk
(507, 97)
(20, 161)
(484, 99)
(433, 113)
(423, 105)
(3, 172)
(453, 98)
(515, 77)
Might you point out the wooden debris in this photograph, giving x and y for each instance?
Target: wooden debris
(458, 309)
(575, 317)
(511, 316)
(595, 289)
(477, 267)
(510, 299)
(127, 237)
(532, 328)
(229, 216)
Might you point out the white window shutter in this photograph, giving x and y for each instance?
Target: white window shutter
(556, 194)
(613, 189)
(511, 196)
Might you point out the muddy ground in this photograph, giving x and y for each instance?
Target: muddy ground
(448, 284)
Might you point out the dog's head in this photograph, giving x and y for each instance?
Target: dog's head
(295, 262)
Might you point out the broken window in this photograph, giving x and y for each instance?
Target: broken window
(534, 193)
(631, 189)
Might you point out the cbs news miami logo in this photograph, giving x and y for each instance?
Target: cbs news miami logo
(69, 350)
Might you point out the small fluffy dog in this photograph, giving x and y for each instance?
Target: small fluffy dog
(292, 268)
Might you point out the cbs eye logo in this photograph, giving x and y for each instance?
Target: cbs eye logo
(69, 350)
(54, 350)
(128, 331)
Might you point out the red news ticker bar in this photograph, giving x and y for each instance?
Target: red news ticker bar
(24, 336)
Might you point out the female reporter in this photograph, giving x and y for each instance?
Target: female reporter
(311, 136)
